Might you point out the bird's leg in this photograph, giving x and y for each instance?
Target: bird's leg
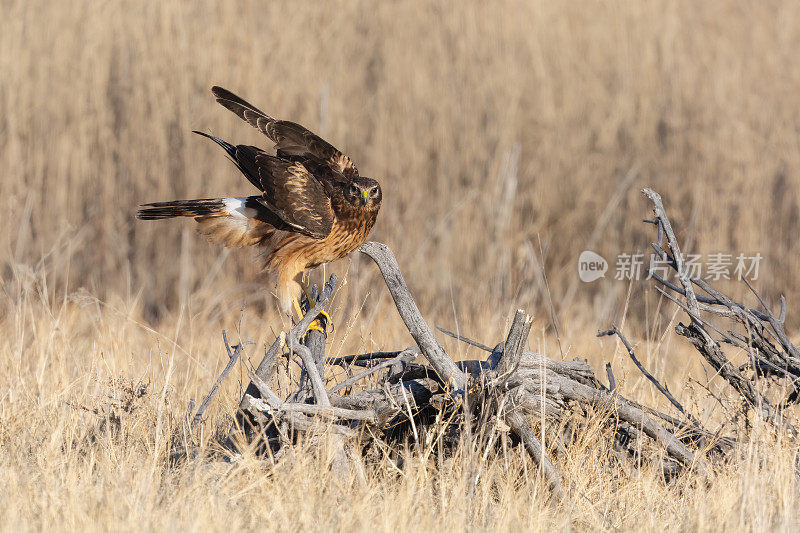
(323, 319)
(298, 309)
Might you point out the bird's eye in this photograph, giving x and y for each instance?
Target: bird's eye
(353, 190)
(373, 192)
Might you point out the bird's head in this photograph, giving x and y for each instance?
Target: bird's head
(363, 192)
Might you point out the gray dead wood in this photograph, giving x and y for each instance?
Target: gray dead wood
(417, 392)
(409, 312)
(576, 369)
(672, 241)
(515, 343)
(266, 368)
(310, 365)
(233, 356)
(402, 358)
(525, 383)
(518, 423)
(310, 346)
(279, 408)
(760, 329)
(315, 341)
(297, 420)
(465, 339)
(365, 359)
(612, 381)
(572, 390)
(661, 388)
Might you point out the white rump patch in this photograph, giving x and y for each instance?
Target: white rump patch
(235, 207)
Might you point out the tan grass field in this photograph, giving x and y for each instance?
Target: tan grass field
(508, 137)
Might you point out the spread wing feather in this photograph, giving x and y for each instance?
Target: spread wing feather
(297, 197)
(289, 191)
(291, 139)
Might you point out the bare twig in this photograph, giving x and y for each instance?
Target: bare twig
(708, 300)
(465, 339)
(266, 367)
(368, 357)
(320, 394)
(672, 241)
(403, 357)
(777, 324)
(612, 382)
(364, 415)
(233, 356)
(296, 419)
(662, 388)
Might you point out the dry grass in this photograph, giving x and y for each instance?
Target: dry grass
(508, 137)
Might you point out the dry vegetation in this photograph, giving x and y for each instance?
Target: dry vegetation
(508, 137)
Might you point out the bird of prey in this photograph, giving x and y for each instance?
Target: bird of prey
(312, 207)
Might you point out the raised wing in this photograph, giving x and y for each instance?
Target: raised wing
(297, 197)
(291, 139)
(289, 190)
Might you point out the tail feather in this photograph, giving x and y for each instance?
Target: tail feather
(183, 208)
(232, 221)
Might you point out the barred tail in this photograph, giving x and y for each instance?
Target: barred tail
(183, 208)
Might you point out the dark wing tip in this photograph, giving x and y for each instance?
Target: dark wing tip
(206, 135)
(235, 103)
(219, 92)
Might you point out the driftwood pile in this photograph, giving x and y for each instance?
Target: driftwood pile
(512, 386)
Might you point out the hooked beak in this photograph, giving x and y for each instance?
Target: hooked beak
(364, 197)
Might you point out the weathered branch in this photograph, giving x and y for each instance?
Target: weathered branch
(233, 356)
(511, 383)
(310, 364)
(519, 424)
(265, 406)
(672, 241)
(572, 390)
(367, 358)
(758, 326)
(402, 358)
(263, 415)
(409, 312)
(515, 343)
(465, 339)
(661, 388)
(266, 368)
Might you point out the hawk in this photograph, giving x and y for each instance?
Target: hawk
(313, 206)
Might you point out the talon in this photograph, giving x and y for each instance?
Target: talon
(315, 327)
(325, 319)
(318, 324)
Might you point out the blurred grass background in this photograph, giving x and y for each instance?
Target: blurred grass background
(508, 137)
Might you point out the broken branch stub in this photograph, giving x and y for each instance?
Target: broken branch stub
(515, 343)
